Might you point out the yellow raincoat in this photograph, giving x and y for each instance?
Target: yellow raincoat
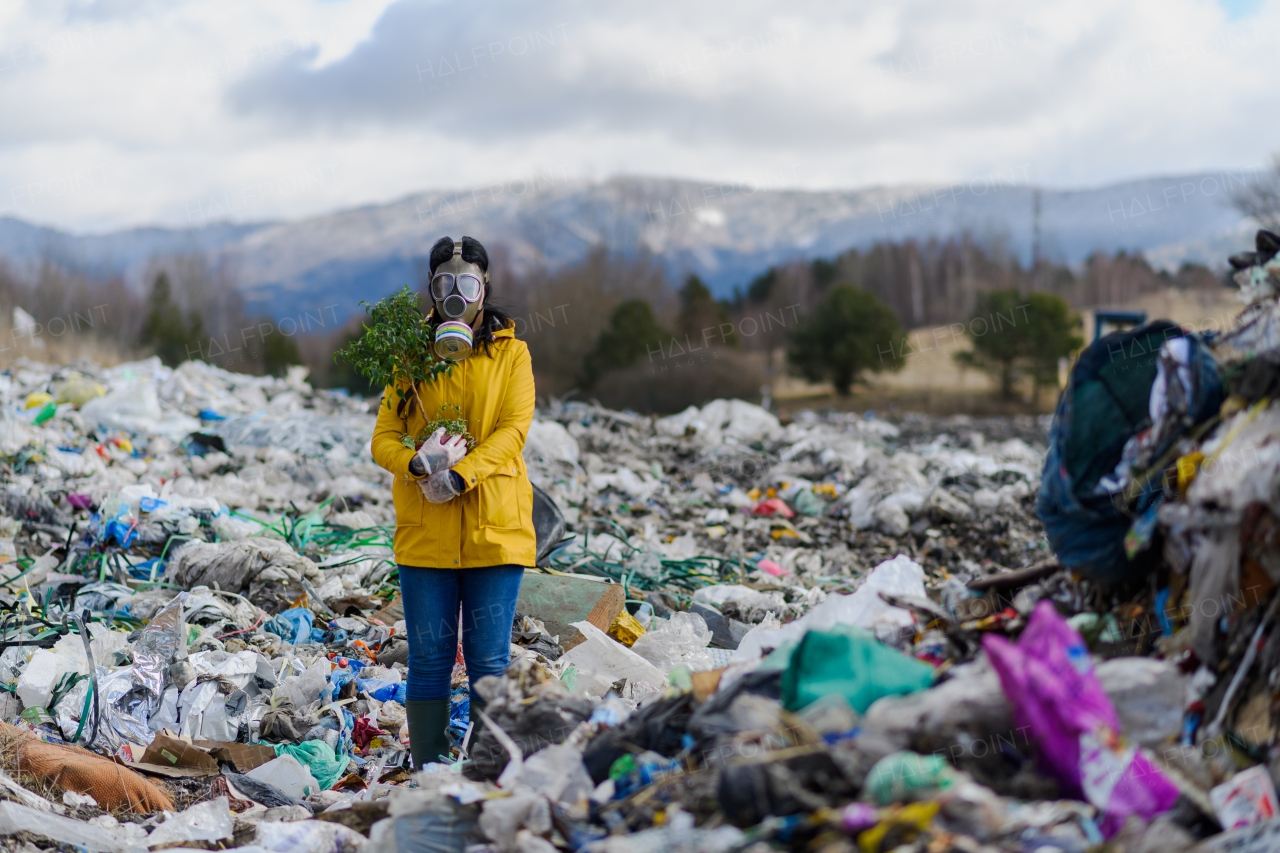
(491, 523)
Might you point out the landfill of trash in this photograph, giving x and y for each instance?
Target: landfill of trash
(841, 632)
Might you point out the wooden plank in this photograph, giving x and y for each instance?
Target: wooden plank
(559, 600)
(1017, 577)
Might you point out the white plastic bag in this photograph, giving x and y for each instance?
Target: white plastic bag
(288, 775)
(679, 641)
(601, 655)
(864, 608)
(309, 836)
(207, 821)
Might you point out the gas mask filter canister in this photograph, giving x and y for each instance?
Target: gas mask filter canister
(453, 340)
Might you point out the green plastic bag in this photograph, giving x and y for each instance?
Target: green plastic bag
(895, 778)
(50, 409)
(318, 757)
(852, 663)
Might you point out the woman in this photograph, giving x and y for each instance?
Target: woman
(464, 520)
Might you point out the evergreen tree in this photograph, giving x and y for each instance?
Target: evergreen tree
(278, 352)
(164, 328)
(1015, 336)
(852, 333)
(632, 333)
(700, 311)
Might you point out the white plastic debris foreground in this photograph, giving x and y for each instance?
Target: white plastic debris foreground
(207, 821)
(287, 775)
(681, 640)
(15, 818)
(306, 836)
(606, 661)
(136, 408)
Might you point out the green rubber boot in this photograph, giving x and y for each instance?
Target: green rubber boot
(477, 704)
(428, 719)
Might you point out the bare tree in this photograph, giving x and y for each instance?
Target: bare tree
(1260, 200)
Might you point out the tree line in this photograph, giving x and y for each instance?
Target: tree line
(185, 302)
(615, 326)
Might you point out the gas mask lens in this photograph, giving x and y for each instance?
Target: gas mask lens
(466, 285)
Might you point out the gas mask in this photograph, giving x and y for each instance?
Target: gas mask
(457, 293)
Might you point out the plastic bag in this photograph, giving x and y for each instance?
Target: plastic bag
(895, 778)
(1246, 799)
(504, 817)
(599, 655)
(309, 836)
(207, 821)
(1049, 680)
(325, 765)
(438, 825)
(849, 662)
(131, 695)
(864, 609)
(304, 689)
(555, 772)
(295, 625)
(288, 775)
(682, 641)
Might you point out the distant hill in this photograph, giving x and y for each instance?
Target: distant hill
(726, 233)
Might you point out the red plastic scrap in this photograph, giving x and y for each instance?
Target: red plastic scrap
(364, 732)
(774, 506)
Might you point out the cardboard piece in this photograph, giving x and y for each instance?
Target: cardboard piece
(560, 600)
(392, 613)
(706, 683)
(178, 758)
(360, 602)
(170, 756)
(242, 757)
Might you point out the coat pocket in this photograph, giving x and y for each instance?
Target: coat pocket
(500, 500)
(407, 496)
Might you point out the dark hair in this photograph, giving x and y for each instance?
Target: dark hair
(473, 252)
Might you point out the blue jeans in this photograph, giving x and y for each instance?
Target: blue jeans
(431, 598)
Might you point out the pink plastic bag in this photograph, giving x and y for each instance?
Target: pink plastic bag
(1048, 678)
(772, 568)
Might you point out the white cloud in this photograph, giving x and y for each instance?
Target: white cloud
(118, 113)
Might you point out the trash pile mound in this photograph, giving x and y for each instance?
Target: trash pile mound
(843, 632)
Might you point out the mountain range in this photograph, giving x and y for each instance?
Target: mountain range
(727, 233)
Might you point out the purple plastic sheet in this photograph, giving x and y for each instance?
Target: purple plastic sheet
(1049, 680)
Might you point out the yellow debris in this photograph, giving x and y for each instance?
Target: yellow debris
(625, 629)
(36, 398)
(1188, 467)
(79, 390)
(909, 820)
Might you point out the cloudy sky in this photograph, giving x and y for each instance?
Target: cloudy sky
(124, 112)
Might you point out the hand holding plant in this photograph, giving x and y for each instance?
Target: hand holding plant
(442, 451)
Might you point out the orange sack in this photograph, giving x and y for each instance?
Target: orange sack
(74, 769)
